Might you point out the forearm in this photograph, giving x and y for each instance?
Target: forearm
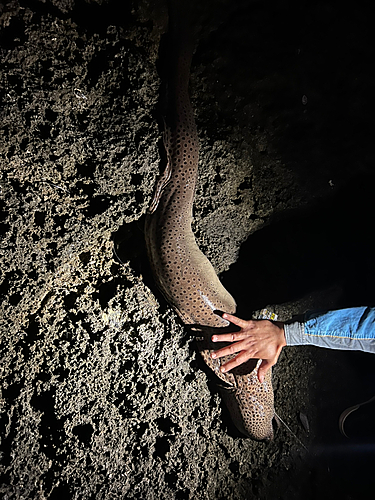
(352, 328)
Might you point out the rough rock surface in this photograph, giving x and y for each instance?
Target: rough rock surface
(103, 396)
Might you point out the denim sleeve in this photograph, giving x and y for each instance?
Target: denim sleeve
(352, 328)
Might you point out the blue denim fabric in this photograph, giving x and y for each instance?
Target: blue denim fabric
(352, 328)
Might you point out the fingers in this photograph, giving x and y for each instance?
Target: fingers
(226, 351)
(242, 358)
(263, 369)
(228, 337)
(255, 340)
(237, 361)
(236, 321)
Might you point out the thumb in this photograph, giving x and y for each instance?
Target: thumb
(263, 369)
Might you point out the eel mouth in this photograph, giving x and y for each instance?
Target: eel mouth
(253, 419)
(249, 402)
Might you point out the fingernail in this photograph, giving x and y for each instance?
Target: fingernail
(222, 369)
(214, 338)
(213, 355)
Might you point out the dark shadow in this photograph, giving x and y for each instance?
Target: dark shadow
(129, 246)
(304, 251)
(310, 249)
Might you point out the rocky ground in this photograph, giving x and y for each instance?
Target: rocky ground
(103, 395)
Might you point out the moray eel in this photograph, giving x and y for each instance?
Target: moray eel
(181, 271)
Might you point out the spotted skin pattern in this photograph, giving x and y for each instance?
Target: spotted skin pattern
(182, 272)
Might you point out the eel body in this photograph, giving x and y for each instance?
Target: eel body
(181, 271)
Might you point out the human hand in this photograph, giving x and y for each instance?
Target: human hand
(259, 339)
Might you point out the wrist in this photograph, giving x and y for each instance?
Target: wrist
(282, 337)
